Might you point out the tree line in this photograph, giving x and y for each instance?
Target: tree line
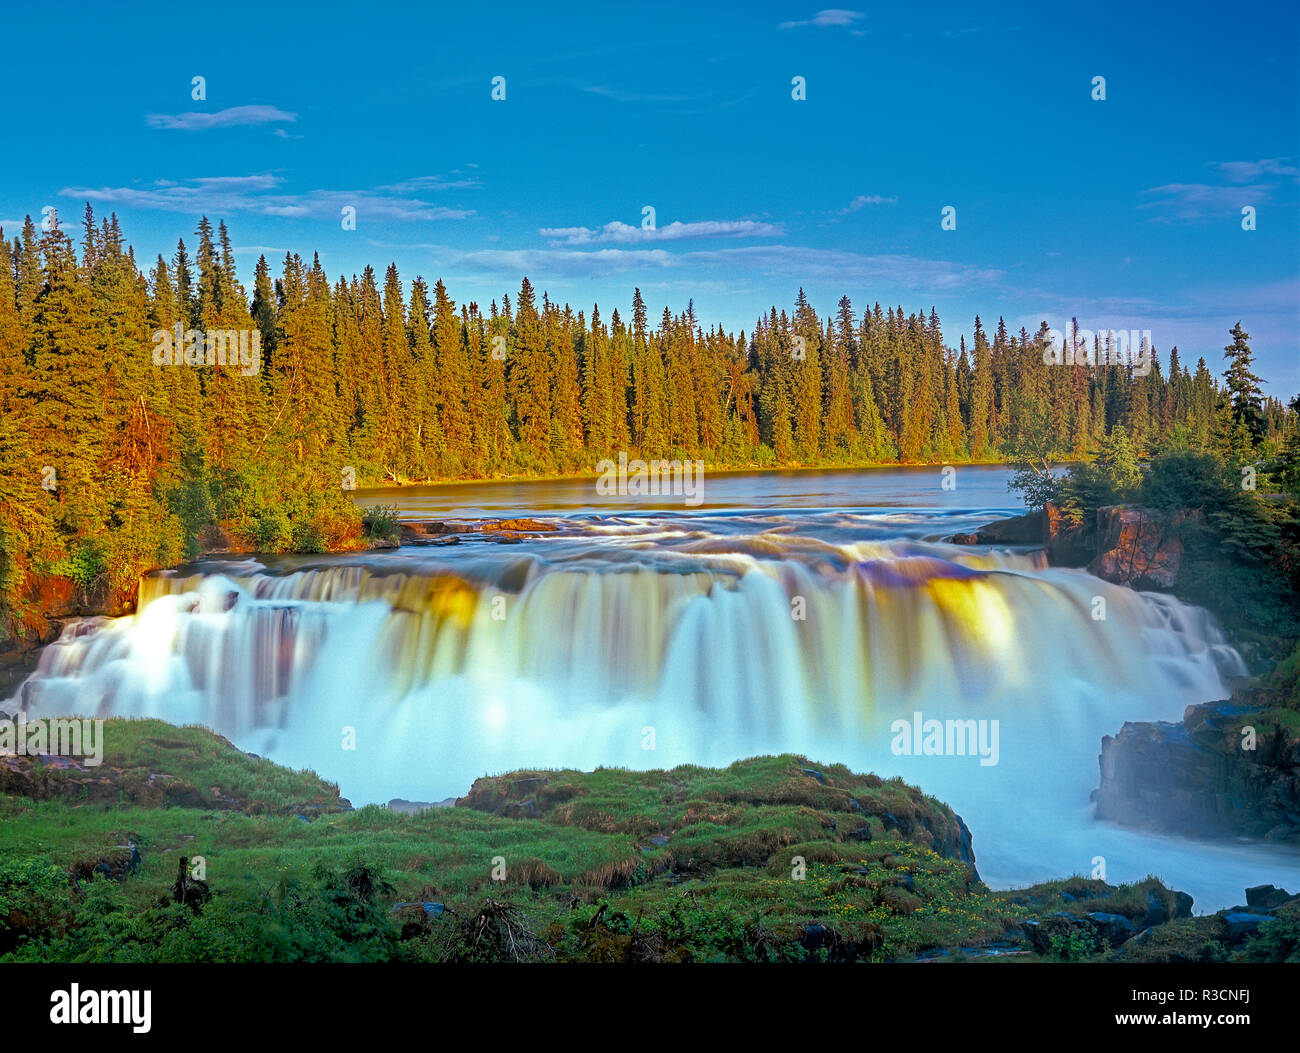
(110, 463)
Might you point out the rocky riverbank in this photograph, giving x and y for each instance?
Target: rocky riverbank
(769, 859)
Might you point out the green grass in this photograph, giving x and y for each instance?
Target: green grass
(770, 859)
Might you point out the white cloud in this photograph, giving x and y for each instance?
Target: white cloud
(565, 263)
(233, 194)
(863, 200)
(1202, 200)
(802, 264)
(431, 182)
(733, 266)
(234, 117)
(1248, 171)
(626, 234)
(1239, 186)
(832, 17)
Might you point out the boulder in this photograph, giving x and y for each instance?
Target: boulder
(1113, 928)
(398, 804)
(1101, 930)
(1016, 530)
(421, 531)
(1241, 924)
(1268, 897)
(814, 936)
(1099, 934)
(515, 525)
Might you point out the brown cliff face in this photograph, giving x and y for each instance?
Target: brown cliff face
(1136, 546)
(1125, 545)
(47, 603)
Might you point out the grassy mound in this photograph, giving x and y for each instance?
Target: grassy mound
(181, 848)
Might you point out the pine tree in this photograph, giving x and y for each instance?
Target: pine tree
(528, 378)
(1243, 391)
(981, 400)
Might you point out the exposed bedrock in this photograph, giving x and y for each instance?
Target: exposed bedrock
(1201, 778)
(1122, 544)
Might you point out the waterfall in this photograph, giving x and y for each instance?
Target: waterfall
(661, 645)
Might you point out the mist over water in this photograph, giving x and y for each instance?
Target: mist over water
(790, 613)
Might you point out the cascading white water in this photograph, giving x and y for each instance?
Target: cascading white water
(707, 646)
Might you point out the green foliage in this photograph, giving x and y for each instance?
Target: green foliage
(1075, 945)
(1113, 478)
(328, 916)
(381, 522)
(84, 564)
(1033, 452)
(1275, 941)
(1118, 462)
(1241, 550)
(31, 888)
(1035, 488)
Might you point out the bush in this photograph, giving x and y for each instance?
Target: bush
(33, 894)
(1032, 452)
(1241, 552)
(1074, 946)
(380, 522)
(1113, 478)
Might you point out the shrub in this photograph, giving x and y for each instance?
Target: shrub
(33, 891)
(380, 522)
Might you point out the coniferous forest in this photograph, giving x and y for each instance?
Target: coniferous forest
(111, 464)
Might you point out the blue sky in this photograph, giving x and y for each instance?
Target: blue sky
(1125, 213)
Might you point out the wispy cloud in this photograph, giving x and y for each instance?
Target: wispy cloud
(510, 264)
(258, 195)
(831, 17)
(431, 182)
(626, 234)
(619, 95)
(234, 117)
(863, 200)
(1238, 185)
(1248, 171)
(732, 267)
(799, 263)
